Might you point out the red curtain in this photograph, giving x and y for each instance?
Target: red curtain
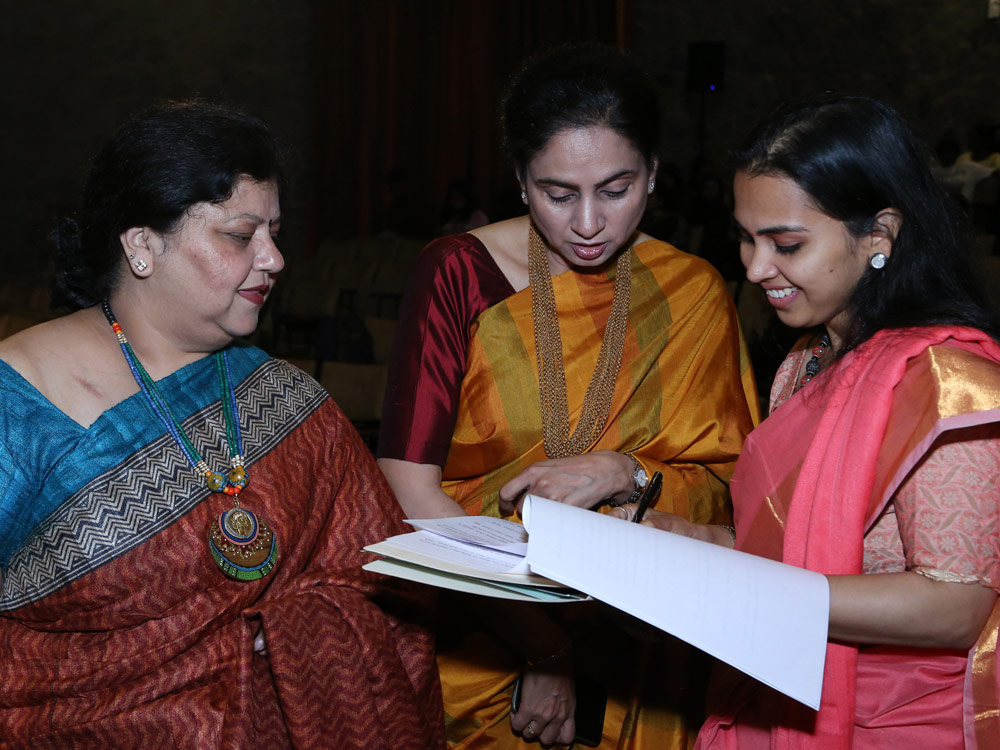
(410, 87)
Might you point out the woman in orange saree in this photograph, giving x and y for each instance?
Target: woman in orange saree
(877, 465)
(471, 404)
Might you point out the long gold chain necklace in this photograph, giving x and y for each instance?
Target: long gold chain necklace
(549, 356)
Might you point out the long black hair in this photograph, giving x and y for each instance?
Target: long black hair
(155, 167)
(856, 156)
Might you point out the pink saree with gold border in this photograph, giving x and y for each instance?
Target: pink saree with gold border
(812, 480)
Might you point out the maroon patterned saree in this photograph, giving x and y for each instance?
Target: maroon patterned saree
(118, 631)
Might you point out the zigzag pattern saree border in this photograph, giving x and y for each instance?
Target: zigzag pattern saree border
(130, 503)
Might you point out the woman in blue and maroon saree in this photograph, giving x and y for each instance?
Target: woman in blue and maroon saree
(146, 601)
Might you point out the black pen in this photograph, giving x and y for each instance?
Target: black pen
(648, 495)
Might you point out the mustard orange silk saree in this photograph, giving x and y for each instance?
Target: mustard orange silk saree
(683, 403)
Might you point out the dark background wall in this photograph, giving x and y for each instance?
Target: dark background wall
(73, 71)
(938, 61)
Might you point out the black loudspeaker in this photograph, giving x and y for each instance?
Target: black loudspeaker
(706, 68)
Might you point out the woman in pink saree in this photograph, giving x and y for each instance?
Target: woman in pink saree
(878, 464)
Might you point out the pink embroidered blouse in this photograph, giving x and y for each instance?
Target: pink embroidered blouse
(944, 520)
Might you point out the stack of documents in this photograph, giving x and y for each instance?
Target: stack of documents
(475, 554)
(763, 617)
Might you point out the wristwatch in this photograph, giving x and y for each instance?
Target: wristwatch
(639, 479)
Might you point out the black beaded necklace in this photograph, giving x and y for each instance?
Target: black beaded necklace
(813, 366)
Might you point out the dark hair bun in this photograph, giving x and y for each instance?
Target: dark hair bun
(72, 278)
(579, 87)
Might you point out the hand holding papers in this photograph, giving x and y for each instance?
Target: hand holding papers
(763, 617)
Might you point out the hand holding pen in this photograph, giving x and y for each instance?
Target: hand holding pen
(647, 497)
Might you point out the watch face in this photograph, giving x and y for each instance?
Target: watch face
(641, 478)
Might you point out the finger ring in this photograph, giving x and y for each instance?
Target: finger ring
(528, 729)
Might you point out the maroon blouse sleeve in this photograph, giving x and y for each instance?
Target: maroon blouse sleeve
(454, 280)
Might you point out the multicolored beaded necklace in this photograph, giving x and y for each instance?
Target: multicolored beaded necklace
(243, 547)
(813, 366)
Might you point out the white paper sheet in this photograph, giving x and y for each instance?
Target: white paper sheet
(428, 548)
(480, 586)
(483, 531)
(763, 617)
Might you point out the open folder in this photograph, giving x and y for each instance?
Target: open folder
(763, 617)
(475, 554)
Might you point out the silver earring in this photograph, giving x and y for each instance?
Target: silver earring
(652, 186)
(140, 265)
(131, 256)
(524, 197)
(877, 261)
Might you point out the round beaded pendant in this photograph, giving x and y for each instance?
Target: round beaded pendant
(242, 547)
